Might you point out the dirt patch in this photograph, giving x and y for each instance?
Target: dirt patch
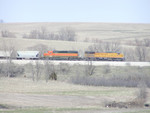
(54, 101)
(132, 104)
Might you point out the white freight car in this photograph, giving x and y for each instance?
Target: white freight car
(27, 54)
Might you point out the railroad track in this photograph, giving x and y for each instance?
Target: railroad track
(96, 63)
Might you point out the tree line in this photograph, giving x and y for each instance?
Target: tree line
(66, 34)
(140, 51)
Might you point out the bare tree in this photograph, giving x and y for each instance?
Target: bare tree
(38, 34)
(87, 39)
(10, 52)
(112, 46)
(106, 69)
(146, 42)
(43, 33)
(63, 34)
(141, 53)
(138, 42)
(129, 54)
(36, 70)
(89, 68)
(47, 70)
(6, 33)
(67, 33)
(106, 47)
(64, 68)
(39, 47)
(33, 71)
(96, 40)
(34, 34)
(141, 50)
(141, 94)
(50, 72)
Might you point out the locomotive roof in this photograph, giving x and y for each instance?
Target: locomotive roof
(89, 52)
(92, 52)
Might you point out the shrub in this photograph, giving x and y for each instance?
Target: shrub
(53, 76)
(64, 68)
(11, 70)
(106, 69)
(67, 34)
(118, 81)
(6, 33)
(50, 71)
(89, 69)
(141, 94)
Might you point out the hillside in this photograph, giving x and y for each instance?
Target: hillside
(91, 31)
(27, 44)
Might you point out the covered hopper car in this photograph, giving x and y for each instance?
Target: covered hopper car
(27, 55)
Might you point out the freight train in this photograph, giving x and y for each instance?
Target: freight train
(66, 55)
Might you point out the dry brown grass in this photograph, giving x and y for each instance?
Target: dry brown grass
(101, 31)
(58, 92)
(29, 95)
(25, 44)
(25, 85)
(90, 30)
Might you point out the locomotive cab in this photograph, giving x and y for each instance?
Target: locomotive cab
(50, 52)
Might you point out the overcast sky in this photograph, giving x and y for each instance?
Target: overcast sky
(122, 11)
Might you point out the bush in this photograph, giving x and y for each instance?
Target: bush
(6, 33)
(11, 70)
(53, 76)
(64, 68)
(141, 94)
(89, 69)
(67, 34)
(118, 81)
(106, 69)
(50, 71)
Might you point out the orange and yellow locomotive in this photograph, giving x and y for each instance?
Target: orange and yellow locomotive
(88, 55)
